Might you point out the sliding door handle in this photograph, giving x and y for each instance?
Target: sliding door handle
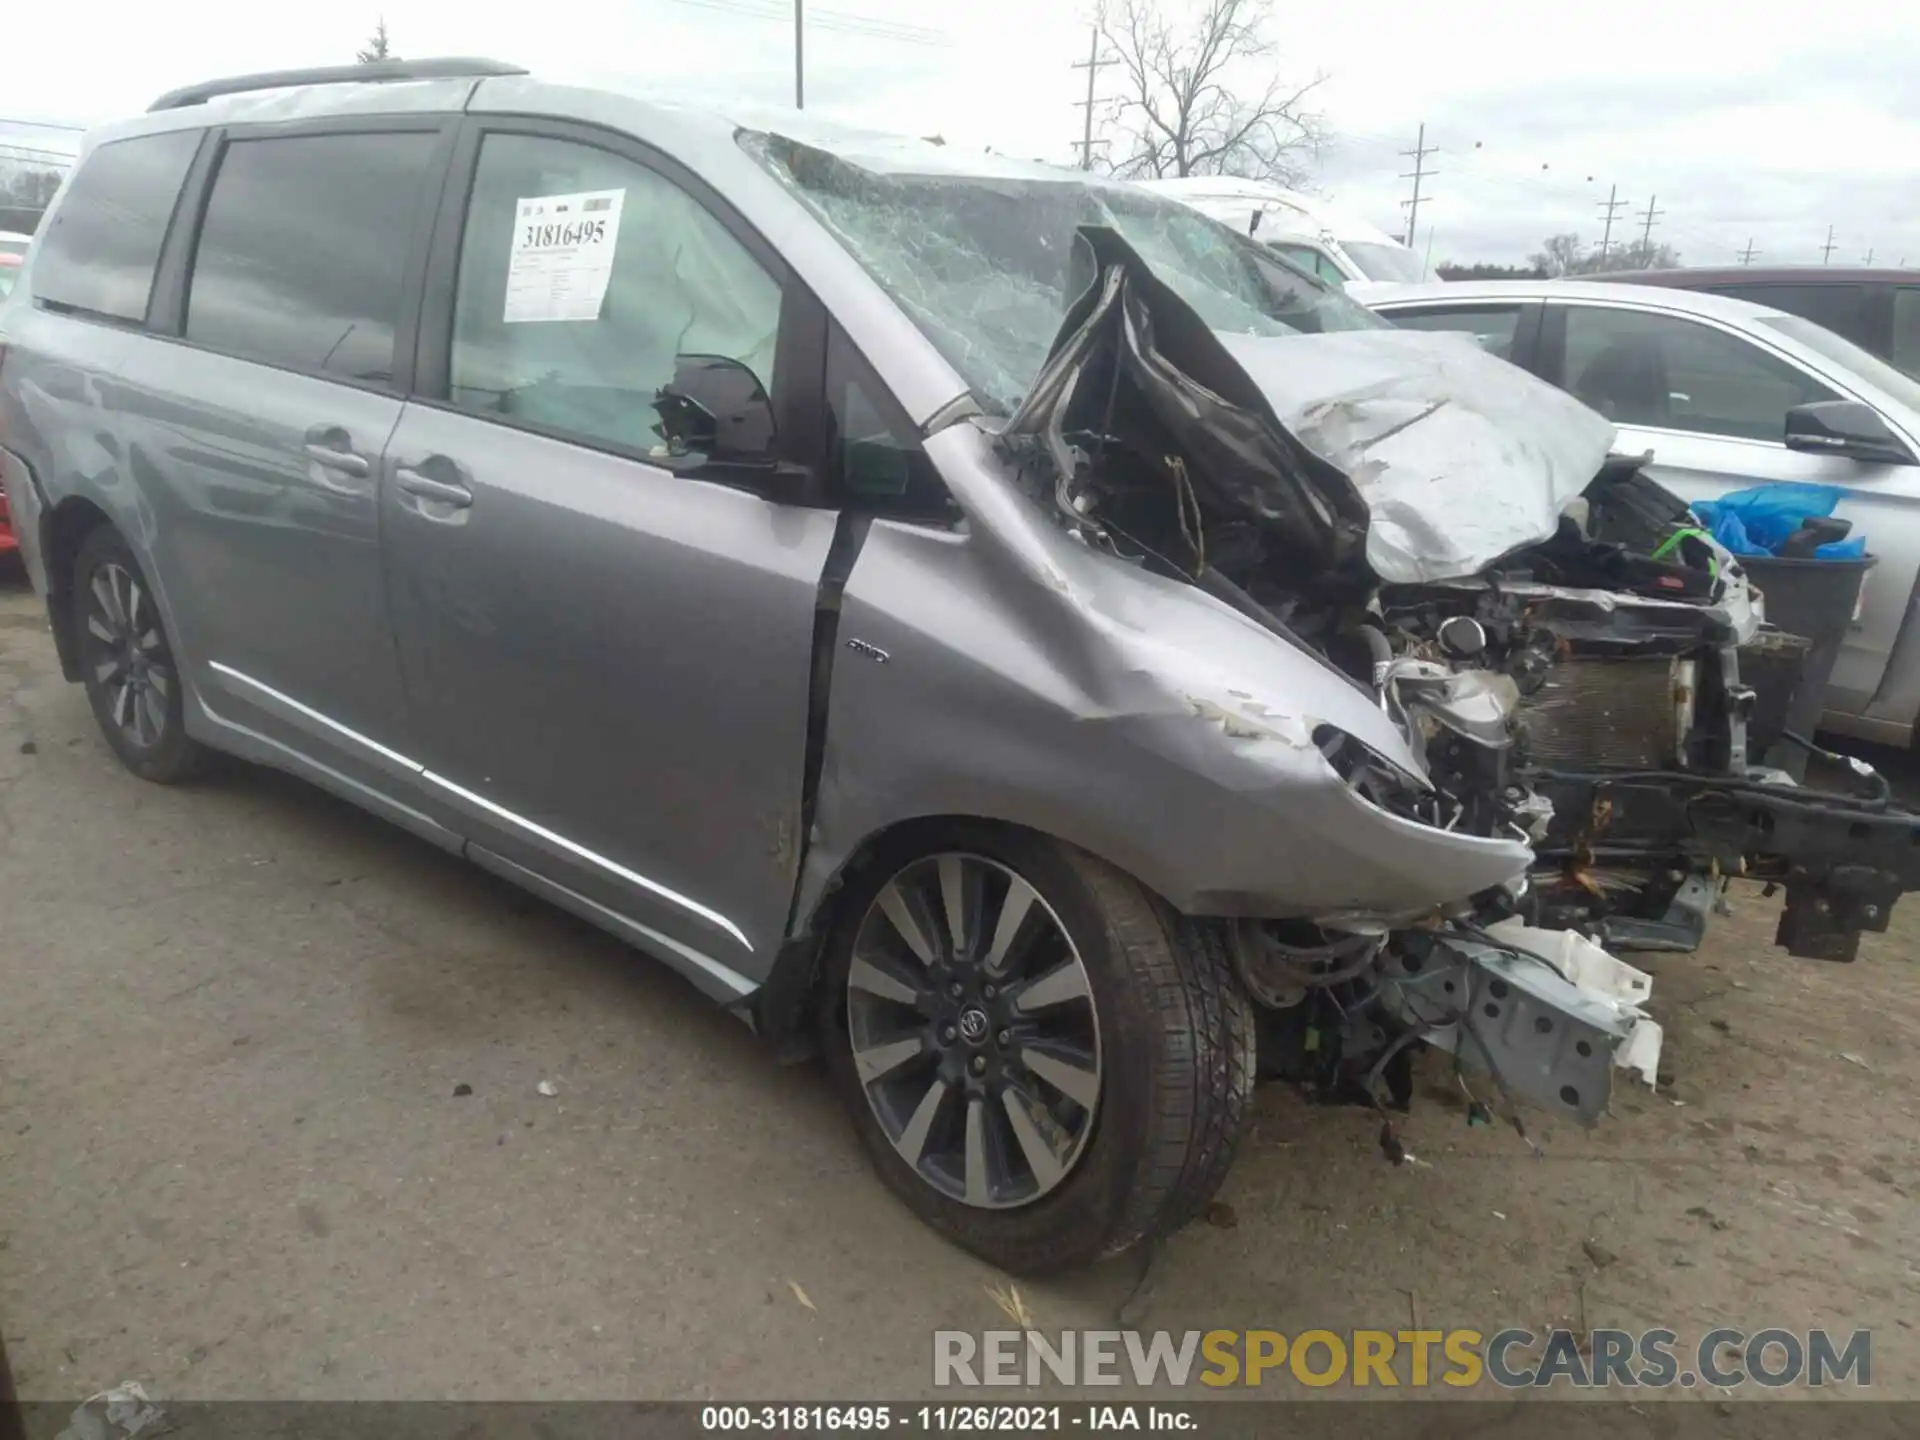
(427, 488)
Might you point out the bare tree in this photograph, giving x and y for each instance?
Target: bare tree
(377, 48)
(1565, 255)
(1561, 255)
(1633, 255)
(1202, 94)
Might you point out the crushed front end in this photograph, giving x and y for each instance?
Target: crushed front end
(1573, 665)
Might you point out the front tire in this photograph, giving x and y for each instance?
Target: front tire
(127, 663)
(1045, 1062)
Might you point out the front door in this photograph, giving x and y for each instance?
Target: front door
(1711, 405)
(607, 651)
(257, 433)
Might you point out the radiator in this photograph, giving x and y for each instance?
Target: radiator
(1605, 711)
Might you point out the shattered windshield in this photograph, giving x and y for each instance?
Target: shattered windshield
(980, 262)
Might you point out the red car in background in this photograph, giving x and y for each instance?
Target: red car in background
(13, 253)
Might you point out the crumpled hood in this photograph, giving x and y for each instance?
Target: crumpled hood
(1459, 457)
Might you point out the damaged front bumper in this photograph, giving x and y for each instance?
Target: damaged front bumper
(1843, 862)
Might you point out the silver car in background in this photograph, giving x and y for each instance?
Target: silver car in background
(997, 628)
(1714, 387)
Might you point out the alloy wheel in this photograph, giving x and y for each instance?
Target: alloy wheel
(128, 654)
(974, 1031)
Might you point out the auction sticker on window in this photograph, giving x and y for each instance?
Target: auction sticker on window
(562, 255)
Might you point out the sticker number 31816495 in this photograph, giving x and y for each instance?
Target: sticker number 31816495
(562, 256)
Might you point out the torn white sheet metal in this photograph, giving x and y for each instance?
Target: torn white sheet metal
(1459, 456)
(1549, 1027)
(1605, 978)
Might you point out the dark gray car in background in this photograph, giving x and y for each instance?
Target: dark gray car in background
(1876, 307)
(995, 626)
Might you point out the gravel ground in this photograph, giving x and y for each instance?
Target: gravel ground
(233, 1162)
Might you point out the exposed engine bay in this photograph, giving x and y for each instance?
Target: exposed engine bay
(1574, 662)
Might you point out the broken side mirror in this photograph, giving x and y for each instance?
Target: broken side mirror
(715, 415)
(1848, 428)
(715, 409)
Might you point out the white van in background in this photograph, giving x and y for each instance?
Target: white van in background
(1336, 246)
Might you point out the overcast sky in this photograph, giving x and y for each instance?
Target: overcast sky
(1747, 120)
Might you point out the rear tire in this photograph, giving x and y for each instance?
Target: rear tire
(1165, 1031)
(127, 663)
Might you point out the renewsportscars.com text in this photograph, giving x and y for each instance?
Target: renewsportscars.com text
(1513, 1358)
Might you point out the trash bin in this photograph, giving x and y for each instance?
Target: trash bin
(1817, 600)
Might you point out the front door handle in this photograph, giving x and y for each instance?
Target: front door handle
(427, 488)
(345, 461)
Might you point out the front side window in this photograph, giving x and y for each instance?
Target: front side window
(1677, 374)
(302, 256)
(874, 459)
(1906, 330)
(586, 279)
(1492, 327)
(1848, 360)
(100, 249)
(1844, 309)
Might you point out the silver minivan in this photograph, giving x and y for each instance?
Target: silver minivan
(996, 628)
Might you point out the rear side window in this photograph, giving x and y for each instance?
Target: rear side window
(303, 253)
(99, 251)
(1491, 326)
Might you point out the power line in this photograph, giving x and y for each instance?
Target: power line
(43, 125)
(1613, 205)
(836, 20)
(1418, 155)
(1092, 65)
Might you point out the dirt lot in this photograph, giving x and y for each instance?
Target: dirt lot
(233, 1164)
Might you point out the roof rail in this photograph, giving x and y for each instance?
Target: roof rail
(449, 69)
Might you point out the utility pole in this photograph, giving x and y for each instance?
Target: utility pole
(1869, 259)
(1646, 230)
(1613, 206)
(799, 57)
(1746, 255)
(1092, 65)
(1828, 248)
(1420, 172)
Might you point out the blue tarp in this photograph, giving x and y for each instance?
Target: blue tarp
(1758, 521)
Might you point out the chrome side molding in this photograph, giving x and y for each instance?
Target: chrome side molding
(500, 812)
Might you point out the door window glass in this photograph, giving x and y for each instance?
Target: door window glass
(1641, 369)
(1314, 262)
(99, 252)
(874, 458)
(1844, 309)
(1492, 326)
(303, 253)
(585, 279)
(1906, 329)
